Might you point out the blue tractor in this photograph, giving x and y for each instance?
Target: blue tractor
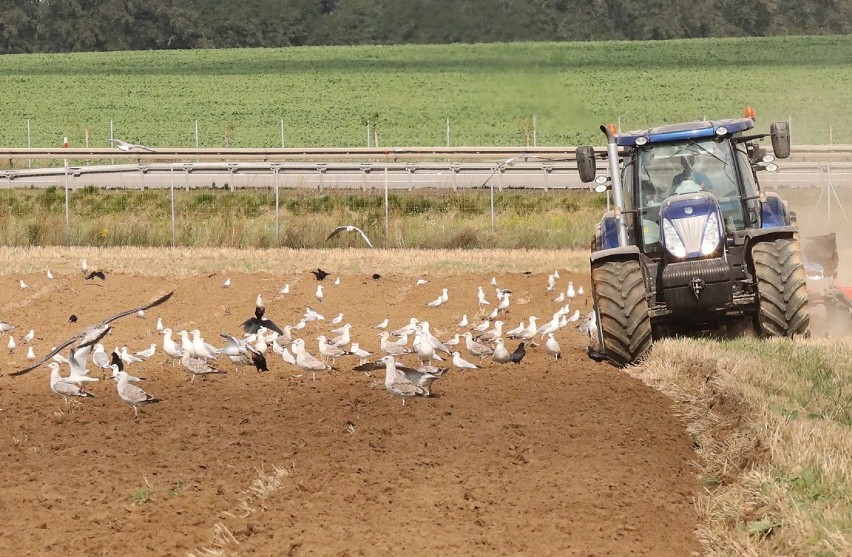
(691, 242)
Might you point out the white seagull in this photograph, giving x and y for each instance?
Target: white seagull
(481, 298)
(552, 347)
(126, 147)
(24, 284)
(439, 300)
(227, 283)
(349, 228)
(49, 274)
(28, 337)
(319, 293)
(131, 394)
(63, 388)
(570, 293)
(461, 363)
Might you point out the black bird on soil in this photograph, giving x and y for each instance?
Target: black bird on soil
(320, 274)
(253, 324)
(518, 354)
(72, 319)
(259, 361)
(596, 355)
(96, 274)
(115, 360)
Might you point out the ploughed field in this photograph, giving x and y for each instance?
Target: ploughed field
(567, 457)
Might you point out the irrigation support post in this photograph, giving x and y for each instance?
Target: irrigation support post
(790, 127)
(491, 186)
(409, 169)
(276, 173)
(368, 134)
(321, 168)
(448, 132)
(67, 212)
(387, 221)
(29, 143)
(172, 197)
(282, 133)
(111, 137)
(535, 132)
(196, 134)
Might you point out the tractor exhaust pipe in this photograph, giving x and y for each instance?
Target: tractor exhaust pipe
(615, 178)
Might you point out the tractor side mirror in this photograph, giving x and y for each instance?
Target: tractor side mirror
(586, 163)
(780, 132)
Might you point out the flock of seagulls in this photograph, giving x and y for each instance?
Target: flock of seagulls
(411, 355)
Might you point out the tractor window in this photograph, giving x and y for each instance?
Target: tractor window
(695, 165)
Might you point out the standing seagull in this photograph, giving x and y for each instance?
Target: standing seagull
(461, 363)
(552, 347)
(319, 293)
(197, 366)
(49, 274)
(131, 394)
(63, 388)
(348, 228)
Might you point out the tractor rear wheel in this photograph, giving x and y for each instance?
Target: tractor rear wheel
(625, 325)
(782, 292)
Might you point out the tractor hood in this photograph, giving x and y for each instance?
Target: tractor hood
(691, 226)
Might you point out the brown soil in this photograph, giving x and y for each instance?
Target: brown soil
(567, 457)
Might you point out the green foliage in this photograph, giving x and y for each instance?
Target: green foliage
(488, 91)
(141, 496)
(246, 218)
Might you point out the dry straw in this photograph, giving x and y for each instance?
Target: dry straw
(182, 262)
(770, 421)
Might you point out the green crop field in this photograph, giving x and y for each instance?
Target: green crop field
(490, 93)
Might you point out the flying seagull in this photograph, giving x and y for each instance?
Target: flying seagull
(125, 146)
(93, 333)
(349, 228)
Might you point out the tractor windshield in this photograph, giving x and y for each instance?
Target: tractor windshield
(697, 165)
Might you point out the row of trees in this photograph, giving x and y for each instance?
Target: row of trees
(100, 25)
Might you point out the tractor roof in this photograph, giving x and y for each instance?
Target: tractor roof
(686, 130)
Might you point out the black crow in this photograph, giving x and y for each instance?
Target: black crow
(115, 360)
(320, 274)
(253, 324)
(518, 354)
(96, 274)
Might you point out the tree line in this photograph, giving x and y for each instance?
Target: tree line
(106, 25)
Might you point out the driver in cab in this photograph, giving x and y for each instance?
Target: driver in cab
(689, 180)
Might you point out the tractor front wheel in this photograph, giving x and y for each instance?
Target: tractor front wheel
(625, 325)
(782, 292)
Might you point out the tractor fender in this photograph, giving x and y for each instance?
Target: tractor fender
(621, 253)
(606, 232)
(774, 212)
(757, 235)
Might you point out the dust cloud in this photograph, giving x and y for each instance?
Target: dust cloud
(822, 210)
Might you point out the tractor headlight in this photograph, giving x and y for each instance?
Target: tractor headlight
(711, 235)
(673, 242)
